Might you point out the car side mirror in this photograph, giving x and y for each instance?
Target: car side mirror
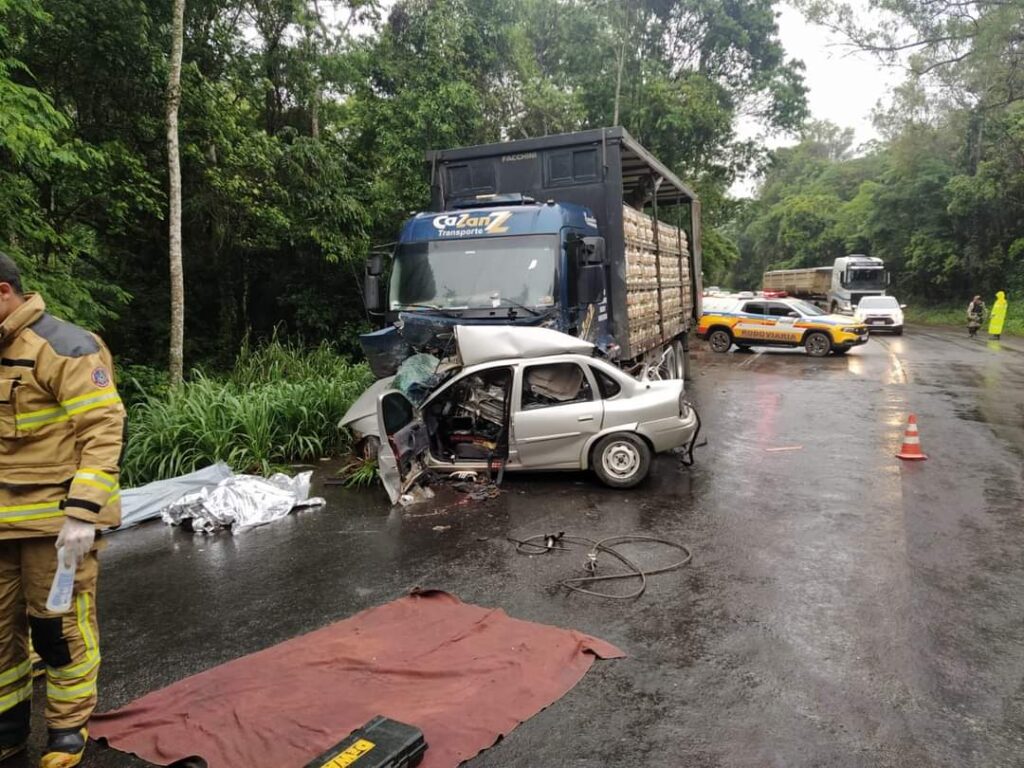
(591, 284)
(792, 314)
(591, 250)
(903, 306)
(374, 265)
(371, 292)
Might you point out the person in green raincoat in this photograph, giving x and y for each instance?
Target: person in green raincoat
(998, 316)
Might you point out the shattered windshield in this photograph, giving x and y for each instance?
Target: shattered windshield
(461, 274)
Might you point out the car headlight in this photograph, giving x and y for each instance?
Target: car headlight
(854, 329)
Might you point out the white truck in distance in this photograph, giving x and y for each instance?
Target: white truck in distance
(838, 288)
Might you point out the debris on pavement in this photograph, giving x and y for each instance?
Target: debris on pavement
(148, 501)
(417, 494)
(242, 502)
(784, 448)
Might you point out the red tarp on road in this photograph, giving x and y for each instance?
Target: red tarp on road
(463, 674)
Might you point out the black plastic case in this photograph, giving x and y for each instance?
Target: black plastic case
(381, 743)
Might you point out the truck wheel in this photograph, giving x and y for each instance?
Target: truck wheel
(720, 340)
(669, 364)
(818, 344)
(834, 309)
(898, 332)
(621, 460)
(680, 360)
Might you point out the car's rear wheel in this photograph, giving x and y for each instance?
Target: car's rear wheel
(621, 460)
(818, 344)
(720, 340)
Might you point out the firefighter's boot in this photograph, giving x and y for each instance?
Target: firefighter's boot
(64, 748)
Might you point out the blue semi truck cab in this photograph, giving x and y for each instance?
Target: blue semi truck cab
(508, 261)
(585, 232)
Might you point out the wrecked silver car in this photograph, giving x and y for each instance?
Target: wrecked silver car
(523, 399)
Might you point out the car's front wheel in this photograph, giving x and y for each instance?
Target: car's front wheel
(621, 460)
(818, 344)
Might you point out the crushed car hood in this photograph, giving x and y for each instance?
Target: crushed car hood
(484, 343)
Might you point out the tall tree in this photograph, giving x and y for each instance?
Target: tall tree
(177, 341)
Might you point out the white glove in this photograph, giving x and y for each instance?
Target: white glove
(77, 539)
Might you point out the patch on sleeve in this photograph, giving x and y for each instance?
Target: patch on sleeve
(100, 377)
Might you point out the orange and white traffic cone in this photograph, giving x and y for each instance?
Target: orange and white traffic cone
(911, 448)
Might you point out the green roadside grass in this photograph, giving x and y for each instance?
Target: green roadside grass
(957, 316)
(280, 404)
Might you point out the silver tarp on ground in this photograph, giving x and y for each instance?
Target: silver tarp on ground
(242, 502)
(484, 343)
(148, 501)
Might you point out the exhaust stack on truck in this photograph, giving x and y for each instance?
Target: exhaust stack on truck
(584, 232)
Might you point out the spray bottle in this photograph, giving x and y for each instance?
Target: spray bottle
(62, 589)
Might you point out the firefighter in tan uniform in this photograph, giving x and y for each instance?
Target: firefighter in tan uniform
(61, 424)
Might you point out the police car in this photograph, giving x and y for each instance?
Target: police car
(779, 322)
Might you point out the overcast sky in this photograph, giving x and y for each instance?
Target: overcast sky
(844, 86)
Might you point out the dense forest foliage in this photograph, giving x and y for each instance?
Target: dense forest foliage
(303, 128)
(941, 196)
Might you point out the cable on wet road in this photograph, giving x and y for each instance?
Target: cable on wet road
(545, 543)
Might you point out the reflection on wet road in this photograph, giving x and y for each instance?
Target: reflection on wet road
(842, 608)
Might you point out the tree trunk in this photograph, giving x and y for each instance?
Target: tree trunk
(177, 342)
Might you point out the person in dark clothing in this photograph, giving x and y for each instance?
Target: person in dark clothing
(975, 316)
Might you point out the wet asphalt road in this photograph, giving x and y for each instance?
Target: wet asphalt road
(841, 609)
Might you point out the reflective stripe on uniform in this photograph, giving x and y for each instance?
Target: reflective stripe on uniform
(67, 409)
(100, 480)
(26, 512)
(91, 661)
(72, 693)
(34, 419)
(16, 697)
(84, 403)
(97, 476)
(14, 674)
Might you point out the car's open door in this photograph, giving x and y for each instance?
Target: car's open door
(403, 443)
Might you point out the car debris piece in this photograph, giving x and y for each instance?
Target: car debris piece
(417, 494)
(242, 502)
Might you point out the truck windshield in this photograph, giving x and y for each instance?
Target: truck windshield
(865, 279)
(474, 273)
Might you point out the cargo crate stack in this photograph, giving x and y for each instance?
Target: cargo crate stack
(646, 257)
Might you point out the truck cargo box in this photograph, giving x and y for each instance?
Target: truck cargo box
(649, 219)
(804, 283)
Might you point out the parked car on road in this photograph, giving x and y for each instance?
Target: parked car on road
(761, 321)
(532, 399)
(881, 313)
